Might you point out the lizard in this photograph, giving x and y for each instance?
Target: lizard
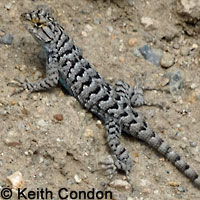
(113, 105)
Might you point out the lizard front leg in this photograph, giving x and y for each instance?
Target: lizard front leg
(50, 81)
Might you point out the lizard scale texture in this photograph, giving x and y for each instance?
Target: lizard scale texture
(114, 105)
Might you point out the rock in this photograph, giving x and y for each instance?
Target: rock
(12, 138)
(88, 28)
(88, 133)
(190, 9)
(110, 28)
(6, 39)
(167, 60)
(149, 23)
(8, 6)
(132, 42)
(121, 59)
(193, 144)
(137, 53)
(145, 183)
(176, 82)
(181, 189)
(109, 12)
(84, 34)
(42, 123)
(151, 55)
(16, 180)
(120, 184)
(77, 179)
(131, 2)
(58, 117)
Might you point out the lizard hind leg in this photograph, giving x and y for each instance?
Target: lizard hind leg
(121, 158)
(134, 96)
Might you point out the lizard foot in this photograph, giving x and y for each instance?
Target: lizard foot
(23, 85)
(110, 166)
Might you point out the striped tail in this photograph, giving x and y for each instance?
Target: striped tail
(147, 135)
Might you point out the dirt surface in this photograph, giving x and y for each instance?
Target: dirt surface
(51, 152)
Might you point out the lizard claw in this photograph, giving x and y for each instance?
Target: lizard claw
(108, 165)
(23, 85)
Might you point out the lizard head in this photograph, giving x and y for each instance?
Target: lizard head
(42, 26)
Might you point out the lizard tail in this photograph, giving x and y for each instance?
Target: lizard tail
(147, 135)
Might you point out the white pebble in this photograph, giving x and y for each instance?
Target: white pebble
(77, 179)
(120, 184)
(42, 123)
(16, 180)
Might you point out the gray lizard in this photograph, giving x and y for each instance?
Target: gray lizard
(113, 105)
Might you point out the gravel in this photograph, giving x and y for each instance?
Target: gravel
(6, 39)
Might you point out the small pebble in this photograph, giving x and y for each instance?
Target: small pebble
(145, 182)
(40, 174)
(84, 34)
(193, 144)
(42, 123)
(176, 82)
(109, 12)
(151, 55)
(173, 184)
(110, 28)
(195, 46)
(137, 53)
(193, 86)
(8, 6)
(6, 39)
(120, 184)
(97, 20)
(16, 180)
(11, 142)
(131, 3)
(185, 51)
(167, 60)
(121, 59)
(88, 28)
(58, 117)
(12, 139)
(132, 42)
(77, 179)
(181, 189)
(146, 191)
(149, 23)
(99, 124)
(88, 133)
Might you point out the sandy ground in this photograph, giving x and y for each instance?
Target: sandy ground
(57, 154)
